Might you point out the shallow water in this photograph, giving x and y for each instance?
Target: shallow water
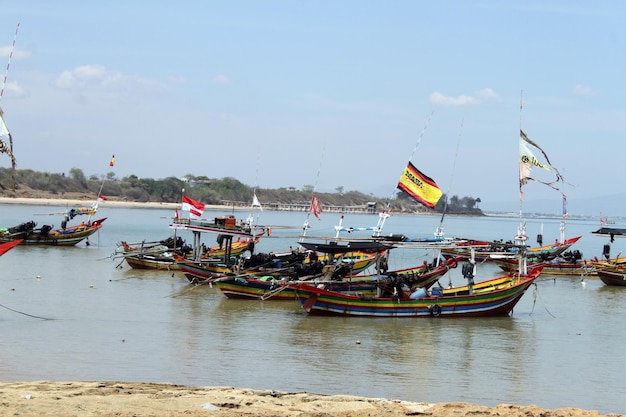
(75, 316)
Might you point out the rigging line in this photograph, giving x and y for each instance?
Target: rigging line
(319, 169)
(6, 73)
(521, 107)
(305, 226)
(419, 140)
(456, 154)
(25, 314)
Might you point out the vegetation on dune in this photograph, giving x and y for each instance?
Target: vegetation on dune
(217, 191)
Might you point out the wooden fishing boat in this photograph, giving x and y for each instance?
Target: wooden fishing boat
(613, 275)
(160, 255)
(495, 297)
(563, 266)
(7, 246)
(47, 235)
(202, 272)
(488, 251)
(555, 267)
(162, 261)
(272, 286)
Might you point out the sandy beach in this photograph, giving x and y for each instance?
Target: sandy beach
(126, 399)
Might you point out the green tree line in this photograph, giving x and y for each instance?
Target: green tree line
(217, 191)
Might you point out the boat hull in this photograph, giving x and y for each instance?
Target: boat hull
(69, 236)
(613, 278)
(485, 253)
(145, 262)
(202, 272)
(7, 246)
(260, 289)
(480, 303)
(267, 288)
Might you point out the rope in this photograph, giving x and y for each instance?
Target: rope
(25, 314)
(537, 295)
(273, 292)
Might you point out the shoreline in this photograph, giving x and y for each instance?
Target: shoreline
(109, 203)
(137, 399)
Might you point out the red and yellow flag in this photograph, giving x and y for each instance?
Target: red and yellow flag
(419, 186)
(112, 163)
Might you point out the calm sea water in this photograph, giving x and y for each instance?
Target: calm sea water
(70, 314)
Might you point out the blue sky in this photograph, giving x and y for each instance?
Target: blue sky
(324, 93)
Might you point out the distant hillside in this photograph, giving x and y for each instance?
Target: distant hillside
(215, 191)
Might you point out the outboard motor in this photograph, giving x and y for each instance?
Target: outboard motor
(606, 251)
(540, 239)
(468, 270)
(468, 273)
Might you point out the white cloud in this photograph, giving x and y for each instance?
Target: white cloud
(15, 89)
(582, 90)
(177, 79)
(481, 96)
(438, 98)
(5, 52)
(487, 94)
(221, 79)
(99, 77)
(81, 76)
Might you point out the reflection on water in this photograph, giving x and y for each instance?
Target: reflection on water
(562, 346)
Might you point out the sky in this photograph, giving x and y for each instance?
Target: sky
(320, 93)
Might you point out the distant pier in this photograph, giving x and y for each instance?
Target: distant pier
(368, 208)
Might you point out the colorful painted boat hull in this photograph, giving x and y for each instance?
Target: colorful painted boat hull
(484, 251)
(69, 236)
(7, 246)
(563, 268)
(243, 287)
(613, 277)
(483, 302)
(163, 263)
(202, 272)
(582, 268)
(260, 289)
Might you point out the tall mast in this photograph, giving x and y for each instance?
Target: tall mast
(4, 82)
(6, 73)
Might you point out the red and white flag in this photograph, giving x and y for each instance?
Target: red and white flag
(195, 208)
(316, 207)
(101, 198)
